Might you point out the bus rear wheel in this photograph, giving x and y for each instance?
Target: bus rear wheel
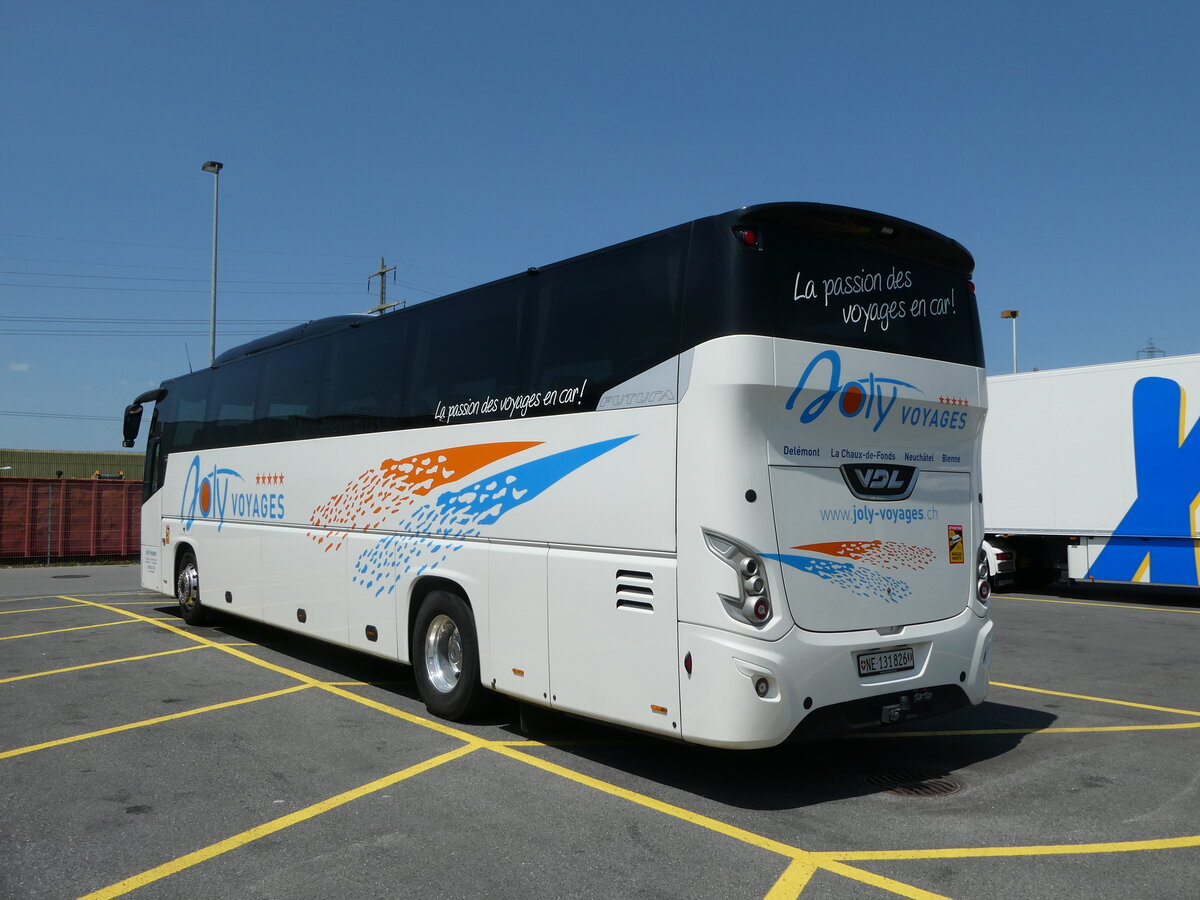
(445, 657)
(187, 590)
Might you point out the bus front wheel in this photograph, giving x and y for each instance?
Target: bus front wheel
(445, 657)
(187, 590)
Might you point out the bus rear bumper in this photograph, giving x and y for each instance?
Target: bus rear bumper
(745, 693)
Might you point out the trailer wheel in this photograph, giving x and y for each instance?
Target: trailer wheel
(187, 590)
(445, 657)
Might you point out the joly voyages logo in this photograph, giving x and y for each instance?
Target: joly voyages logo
(871, 396)
(208, 495)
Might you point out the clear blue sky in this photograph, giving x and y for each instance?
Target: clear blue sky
(467, 141)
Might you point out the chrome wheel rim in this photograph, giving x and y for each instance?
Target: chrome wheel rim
(187, 586)
(443, 654)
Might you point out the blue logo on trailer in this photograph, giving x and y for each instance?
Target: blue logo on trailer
(1156, 531)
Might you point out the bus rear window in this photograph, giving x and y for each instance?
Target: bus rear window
(853, 293)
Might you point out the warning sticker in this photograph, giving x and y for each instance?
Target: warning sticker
(954, 536)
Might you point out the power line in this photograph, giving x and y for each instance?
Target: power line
(46, 237)
(42, 415)
(101, 320)
(175, 332)
(144, 266)
(306, 253)
(153, 278)
(98, 287)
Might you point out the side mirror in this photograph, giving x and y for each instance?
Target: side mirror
(133, 414)
(133, 421)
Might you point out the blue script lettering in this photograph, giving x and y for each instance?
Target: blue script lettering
(208, 496)
(860, 396)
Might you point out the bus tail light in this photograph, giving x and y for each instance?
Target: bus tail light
(983, 587)
(753, 603)
(747, 236)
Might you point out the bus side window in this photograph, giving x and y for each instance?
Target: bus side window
(289, 392)
(185, 412)
(364, 379)
(605, 318)
(463, 355)
(230, 416)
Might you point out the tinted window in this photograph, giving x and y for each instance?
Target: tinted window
(841, 293)
(364, 378)
(230, 417)
(465, 355)
(288, 394)
(184, 410)
(602, 319)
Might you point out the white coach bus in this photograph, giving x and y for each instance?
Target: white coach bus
(719, 483)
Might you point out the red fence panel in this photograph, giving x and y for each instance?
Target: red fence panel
(69, 518)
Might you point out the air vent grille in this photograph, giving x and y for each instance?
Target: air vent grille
(635, 590)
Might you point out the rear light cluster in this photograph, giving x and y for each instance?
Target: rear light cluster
(753, 602)
(747, 236)
(983, 588)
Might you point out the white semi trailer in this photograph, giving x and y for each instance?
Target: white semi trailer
(1093, 473)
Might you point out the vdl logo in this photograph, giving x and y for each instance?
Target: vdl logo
(869, 396)
(880, 482)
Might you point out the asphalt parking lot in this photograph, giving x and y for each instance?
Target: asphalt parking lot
(139, 756)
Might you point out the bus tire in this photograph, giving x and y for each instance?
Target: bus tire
(445, 657)
(187, 590)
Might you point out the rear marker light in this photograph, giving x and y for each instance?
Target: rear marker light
(660, 710)
(747, 236)
(762, 610)
(687, 663)
(762, 687)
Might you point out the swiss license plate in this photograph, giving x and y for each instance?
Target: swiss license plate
(881, 662)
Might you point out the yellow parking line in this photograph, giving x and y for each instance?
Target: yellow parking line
(1166, 609)
(13, 612)
(60, 597)
(472, 741)
(1033, 690)
(13, 637)
(1032, 850)
(992, 732)
(94, 665)
(792, 881)
(715, 825)
(240, 840)
(157, 720)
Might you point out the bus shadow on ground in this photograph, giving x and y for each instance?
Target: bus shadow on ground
(905, 759)
(790, 776)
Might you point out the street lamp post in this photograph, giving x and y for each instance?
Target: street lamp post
(1012, 314)
(215, 168)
